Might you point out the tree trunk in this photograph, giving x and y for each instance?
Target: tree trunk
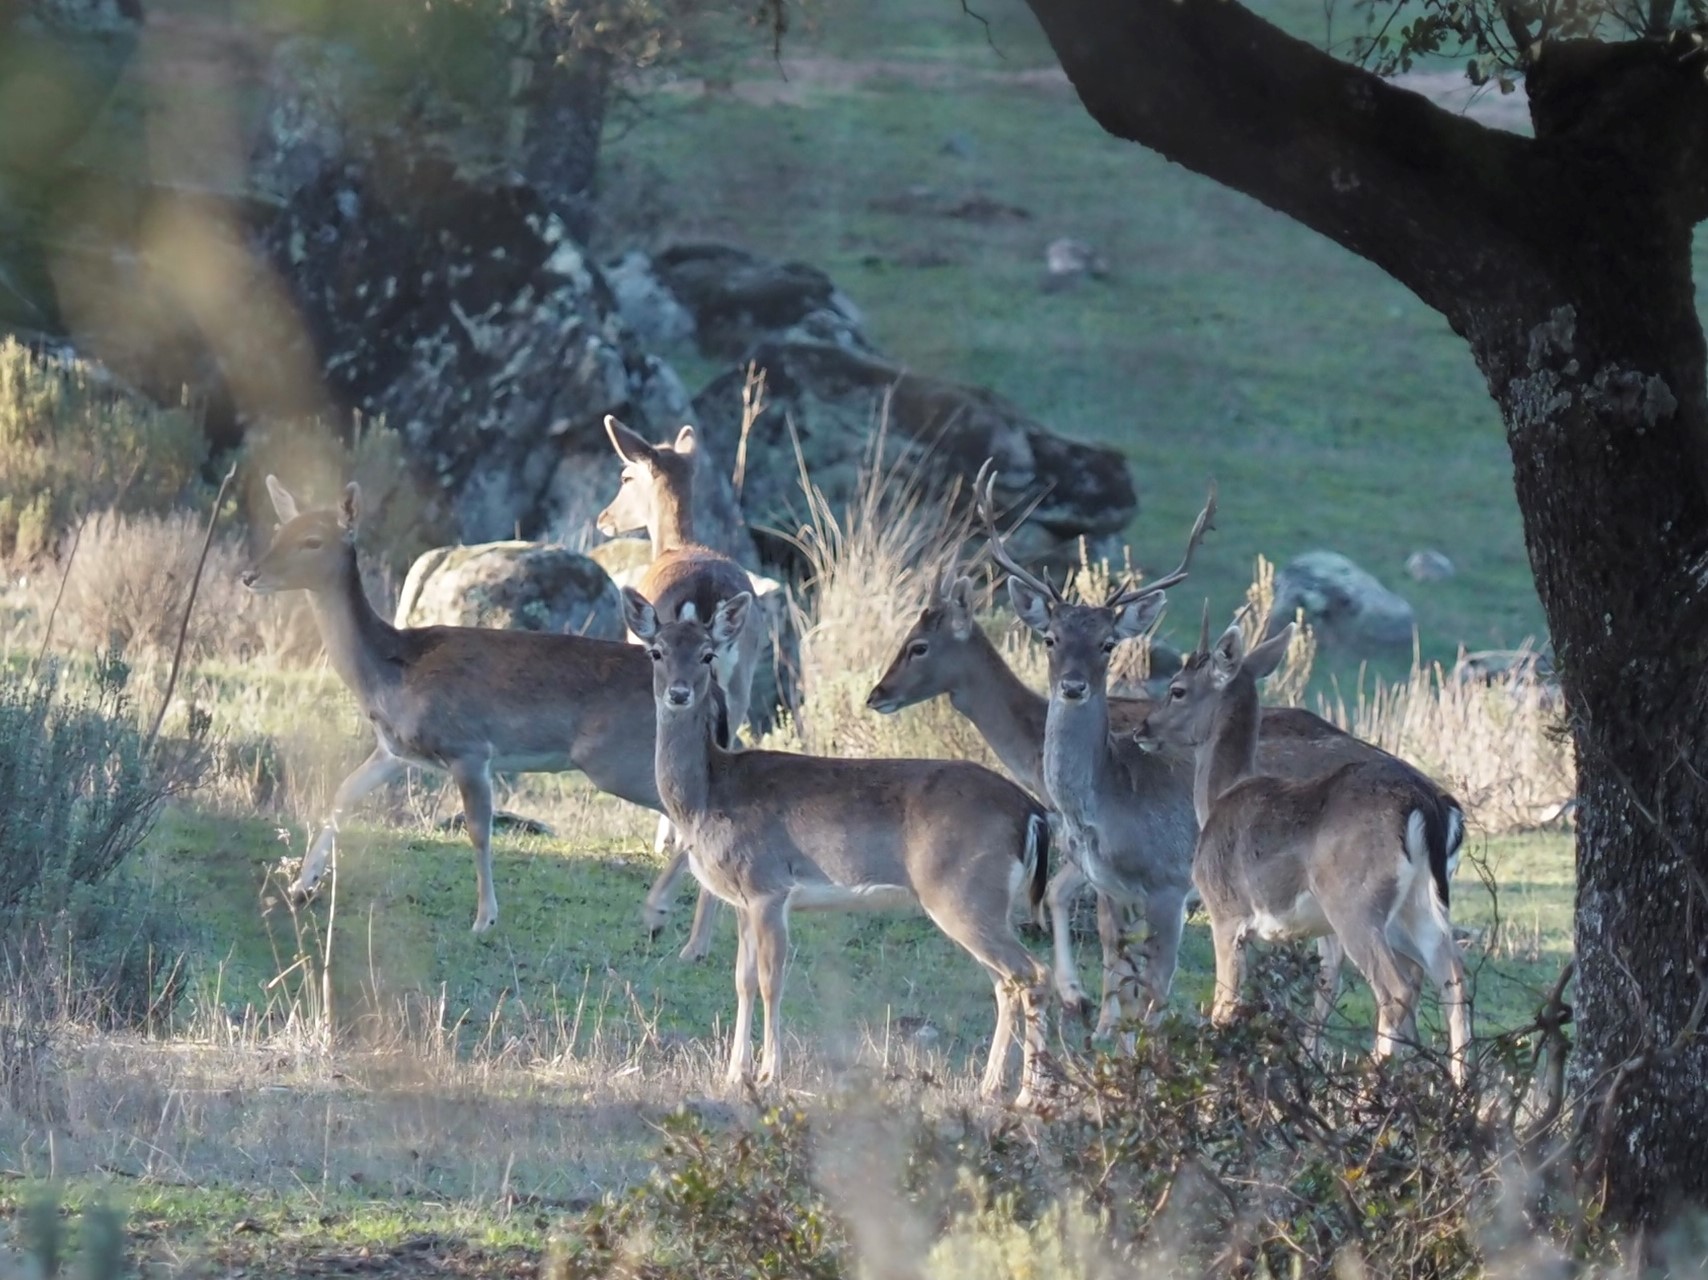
(1605, 414)
(1565, 263)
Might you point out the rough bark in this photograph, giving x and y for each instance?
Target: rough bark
(1564, 261)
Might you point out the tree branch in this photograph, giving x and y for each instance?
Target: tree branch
(1375, 168)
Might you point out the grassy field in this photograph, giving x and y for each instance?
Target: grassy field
(453, 1101)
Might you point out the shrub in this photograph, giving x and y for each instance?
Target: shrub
(75, 443)
(129, 581)
(1215, 1152)
(80, 789)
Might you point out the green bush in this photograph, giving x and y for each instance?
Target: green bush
(79, 790)
(1207, 1151)
(71, 443)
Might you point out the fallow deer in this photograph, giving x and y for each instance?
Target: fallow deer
(1128, 812)
(768, 831)
(465, 700)
(1361, 854)
(657, 494)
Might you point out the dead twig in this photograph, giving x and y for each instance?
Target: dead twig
(189, 608)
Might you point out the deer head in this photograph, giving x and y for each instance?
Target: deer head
(1082, 637)
(309, 550)
(654, 476)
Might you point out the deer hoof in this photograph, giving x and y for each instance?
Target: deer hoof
(693, 953)
(299, 892)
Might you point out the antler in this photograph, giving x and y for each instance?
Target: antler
(983, 491)
(1200, 527)
(1204, 630)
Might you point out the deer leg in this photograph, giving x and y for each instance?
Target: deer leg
(656, 909)
(988, 936)
(1227, 935)
(474, 781)
(1118, 969)
(1063, 887)
(1165, 919)
(699, 944)
(378, 769)
(746, 986)
(1431, 946)
(771, 938)
(1330, 956)
(1367, 944)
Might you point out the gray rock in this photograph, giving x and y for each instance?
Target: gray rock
(646, 305)
(303, 128)
(1346, 606)
(1068, 261)
(462, 312)
(524, 586)
(739, 299)
(1429, 565)
(830, 398)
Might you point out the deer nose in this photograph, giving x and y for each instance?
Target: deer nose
(248, 577)
(880, 700)
(679, 695)
(1073, 690)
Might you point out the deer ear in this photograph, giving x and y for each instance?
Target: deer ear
(1140, 616)
(686, 440)
(958, 600)
(639, 615)
(629, 446)
(1030, 604)
(1263, 659)
(730, 618)
(284, 506)
(1227, 654)
(350, 508)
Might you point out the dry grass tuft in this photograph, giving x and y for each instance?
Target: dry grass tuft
(1500, 746)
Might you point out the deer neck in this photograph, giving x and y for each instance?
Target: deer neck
(1076, 754)
(672, 524)
(1010, 717)
(1230, 754)
(359, 643)
(683, 760)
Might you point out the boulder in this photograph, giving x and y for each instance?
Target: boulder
(1428, 565)
(832, 400)
(303, 121)
(462, 312)
(739, 299)
(651, 311)
(523, 586)
(1345, 605)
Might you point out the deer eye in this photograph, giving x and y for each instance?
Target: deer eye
(1109, 645)
(656, 655)
(1049, 642)
(1176, 693)
(918, 649)
(708, 657)
(312, 544)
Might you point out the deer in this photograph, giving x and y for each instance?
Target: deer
(657, 494)
(1362, 854)
(769, 832)
(1127, 811)
(468, 701)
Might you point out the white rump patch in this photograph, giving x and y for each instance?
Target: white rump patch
(857, 897)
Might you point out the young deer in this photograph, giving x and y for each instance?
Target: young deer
(462, 699)
(1128, 812)
(1361, 854)
(685, 579)
(769, 831)
(947, 653)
